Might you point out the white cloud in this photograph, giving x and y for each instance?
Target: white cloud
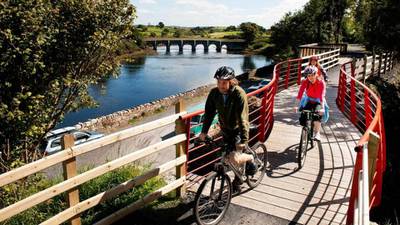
(203, 6)
(211, 13)
(144, 11)
(271, 15)
(147, 2)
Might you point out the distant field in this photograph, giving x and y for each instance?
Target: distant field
(216, 33)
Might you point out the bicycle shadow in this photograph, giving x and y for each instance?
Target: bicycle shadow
(282, 164)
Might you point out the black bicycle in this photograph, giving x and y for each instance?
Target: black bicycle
(215, 192)
(306, 137)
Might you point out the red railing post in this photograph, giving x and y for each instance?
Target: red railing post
(299, 71)
(353, 96)
(287, 75)
(261, 129)
(344, 90)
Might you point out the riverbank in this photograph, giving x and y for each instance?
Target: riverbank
(133, 116)
(130, 57)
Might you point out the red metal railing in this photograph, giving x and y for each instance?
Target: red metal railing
(364, 109)
(201, 158)
(261, 106)
(261, 113)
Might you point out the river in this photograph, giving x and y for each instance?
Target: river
(158, 76)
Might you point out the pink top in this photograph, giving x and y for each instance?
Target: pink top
(316, 90)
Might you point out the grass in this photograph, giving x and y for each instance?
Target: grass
(217, 33)
(133, 121)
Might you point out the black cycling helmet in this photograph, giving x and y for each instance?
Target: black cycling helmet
(310, 70)
(224, 73)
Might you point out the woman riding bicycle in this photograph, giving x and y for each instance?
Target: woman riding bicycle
(322, 74)
(314, 98)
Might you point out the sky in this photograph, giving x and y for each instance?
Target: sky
(193, 13)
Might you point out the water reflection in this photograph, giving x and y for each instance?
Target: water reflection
(153, 77)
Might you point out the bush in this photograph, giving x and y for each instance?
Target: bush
(17, 191)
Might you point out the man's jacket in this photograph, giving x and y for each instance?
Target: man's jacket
(233, 113)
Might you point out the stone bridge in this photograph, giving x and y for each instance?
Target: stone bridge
(230, 44)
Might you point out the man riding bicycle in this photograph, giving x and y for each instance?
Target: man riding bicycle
(315, 90)
(230, 101)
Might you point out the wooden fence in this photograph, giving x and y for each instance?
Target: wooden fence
(316, 48)
(72, 180)
(373, 65)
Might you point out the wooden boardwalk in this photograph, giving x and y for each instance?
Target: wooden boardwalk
(319, 192)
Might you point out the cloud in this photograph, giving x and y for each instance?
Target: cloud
(147, 2)
(204, 6)
(215, 13)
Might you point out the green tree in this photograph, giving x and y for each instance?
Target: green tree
(51, 51)
(165, 32)
(161, 25)
(178, 33)
(250, 31)
(153, 34)
(382, 28)
(230, 28)
(318, 21)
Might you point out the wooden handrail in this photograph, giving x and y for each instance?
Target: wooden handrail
(68, 153)
(84, 177)
(106, 195)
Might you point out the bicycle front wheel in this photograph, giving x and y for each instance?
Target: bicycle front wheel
(212, 199)
(301, 155)
(259, 152)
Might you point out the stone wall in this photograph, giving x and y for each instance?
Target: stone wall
(122, 117)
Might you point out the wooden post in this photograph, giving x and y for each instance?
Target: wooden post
(380, 65)
(385, 65)
(365, 68)
(373, 144)
(69, 167)
(373, 64)
(353, 67)
(180, 128)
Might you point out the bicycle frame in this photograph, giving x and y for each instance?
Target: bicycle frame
(225, 163)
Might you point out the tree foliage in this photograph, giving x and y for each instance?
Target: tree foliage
(318, 21)
(50, 52)
(375, 23)
(250, 31)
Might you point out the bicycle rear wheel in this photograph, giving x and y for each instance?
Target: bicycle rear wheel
(259, 152)
(301, 156)
(212, 199)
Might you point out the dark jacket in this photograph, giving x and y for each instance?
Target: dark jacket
(233, 115)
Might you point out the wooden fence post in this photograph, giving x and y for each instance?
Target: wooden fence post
(380, 65)
(180, 128)
(365, 68)
(373, 64)
(385, 65)
(373, 144)
(69, 167)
